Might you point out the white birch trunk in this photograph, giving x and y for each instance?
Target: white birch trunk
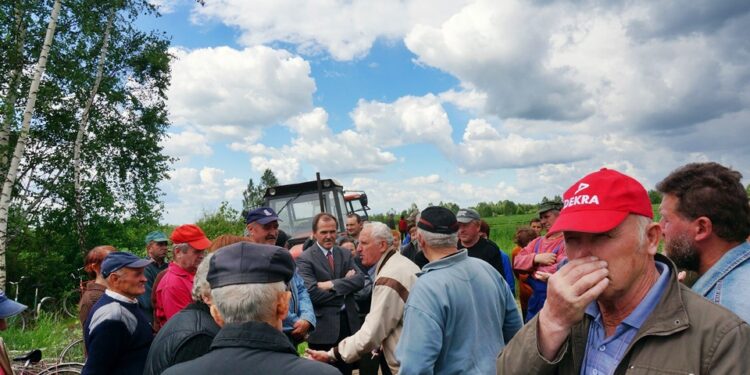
(77, 164)
(9, 103)
(10, 179)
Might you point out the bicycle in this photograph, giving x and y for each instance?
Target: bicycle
(18, 321)
(71, 298)
(33, 365)
(24, 319)
(74, 352)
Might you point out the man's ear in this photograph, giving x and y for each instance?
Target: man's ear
(703, 228)
(653, 236)
(216, 315)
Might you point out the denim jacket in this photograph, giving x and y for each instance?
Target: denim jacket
(300, 305)
(726, 282)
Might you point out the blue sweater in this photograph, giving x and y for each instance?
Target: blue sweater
(459, 316)
(117, 337)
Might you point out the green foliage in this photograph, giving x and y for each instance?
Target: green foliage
(121, 154)
(654, 196)
(225, 220)
(253, 194)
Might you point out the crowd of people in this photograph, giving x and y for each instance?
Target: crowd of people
(438, 296)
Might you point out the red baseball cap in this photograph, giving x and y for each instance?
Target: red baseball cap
(192, 235)
(600, 201)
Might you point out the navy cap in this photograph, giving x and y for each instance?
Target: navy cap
(438, 219)
(261, 215)
(119, 259)
(9, 307)
(249, 263)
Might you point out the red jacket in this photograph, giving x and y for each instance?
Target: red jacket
(173, 293)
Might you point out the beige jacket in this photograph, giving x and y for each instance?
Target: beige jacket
(396, 275)
(685, 334)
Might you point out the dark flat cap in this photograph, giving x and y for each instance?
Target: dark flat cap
(438, 219)
(249, 263)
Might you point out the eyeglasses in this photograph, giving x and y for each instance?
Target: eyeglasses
(162, 243)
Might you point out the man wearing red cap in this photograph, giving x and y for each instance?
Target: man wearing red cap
(174, 291)
(617, 306)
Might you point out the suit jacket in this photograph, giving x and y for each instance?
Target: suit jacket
(313, 267)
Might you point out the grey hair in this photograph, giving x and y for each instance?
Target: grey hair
(247, 302)
(380, 232)
(438, 240)
(181, 247)
(201, 287)
(642, 223)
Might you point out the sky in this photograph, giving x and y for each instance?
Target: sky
(422, 101)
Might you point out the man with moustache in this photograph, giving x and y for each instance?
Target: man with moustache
(705, 218)
(617, 306)
(263, 227)
(331, 280)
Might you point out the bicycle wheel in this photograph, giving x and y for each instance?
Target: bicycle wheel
(17, 322)
(62, 369)
(70, 305)
(73, 353)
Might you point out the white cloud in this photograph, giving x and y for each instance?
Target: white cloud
(186, 144)
(194, 191)
(423, 180)
(407, 120)
(229, 91)
(344, 28)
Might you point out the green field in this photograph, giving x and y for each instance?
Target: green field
(503, 228)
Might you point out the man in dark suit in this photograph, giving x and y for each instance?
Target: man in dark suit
(331, 280)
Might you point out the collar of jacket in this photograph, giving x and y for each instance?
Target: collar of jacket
(728, 262)
(669, 317)
(253, 335)
(383, 260)
(444, 262)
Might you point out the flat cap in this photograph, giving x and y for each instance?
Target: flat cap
(438, 219)
(249, 263)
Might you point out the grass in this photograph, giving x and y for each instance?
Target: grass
(48, 333)
(503, 228)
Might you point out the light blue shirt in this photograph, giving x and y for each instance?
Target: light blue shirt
(726, 282)
(459, 316)
(603, 353)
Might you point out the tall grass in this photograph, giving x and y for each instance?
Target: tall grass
(48, 333)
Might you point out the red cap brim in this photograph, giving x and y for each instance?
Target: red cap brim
(200, 244)
(588, 221)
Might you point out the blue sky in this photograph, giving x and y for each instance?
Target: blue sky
(463, 101)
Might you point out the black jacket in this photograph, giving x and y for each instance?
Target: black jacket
(186, 336)
(251, 348)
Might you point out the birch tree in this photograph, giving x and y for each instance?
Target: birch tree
(82, 131)
(10, 179)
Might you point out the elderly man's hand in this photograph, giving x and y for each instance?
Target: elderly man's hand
(318, 355)
(300, 329)
(350, 273)
(569, 291)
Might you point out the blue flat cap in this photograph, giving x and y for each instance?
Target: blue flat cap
(120, 259)
(9, 307)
